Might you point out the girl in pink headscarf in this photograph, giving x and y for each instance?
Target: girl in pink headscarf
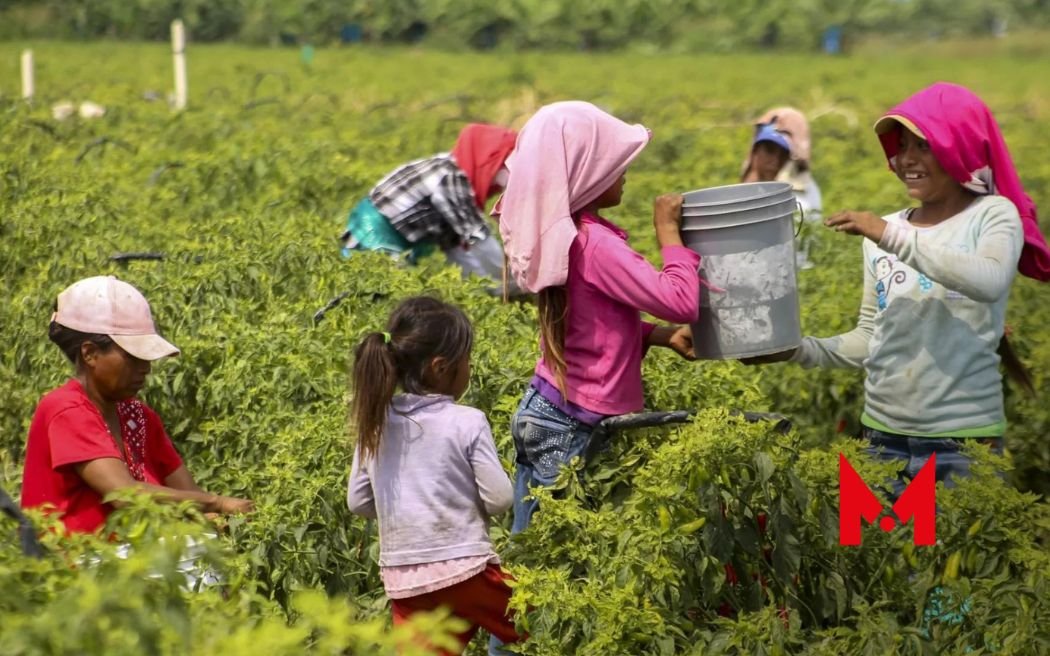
(936, 282)
(568, 165)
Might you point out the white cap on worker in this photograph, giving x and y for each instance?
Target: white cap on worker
(104, 305)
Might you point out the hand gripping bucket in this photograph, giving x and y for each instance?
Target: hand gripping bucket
(745, 235)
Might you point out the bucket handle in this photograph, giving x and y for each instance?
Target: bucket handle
(801, 218)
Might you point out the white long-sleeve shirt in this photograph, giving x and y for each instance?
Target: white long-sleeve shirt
(433, 484)
(930, 322)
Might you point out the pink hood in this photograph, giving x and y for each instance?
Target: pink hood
(967, 143)
(567, 155)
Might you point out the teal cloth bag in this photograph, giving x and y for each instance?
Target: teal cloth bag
(368, 230)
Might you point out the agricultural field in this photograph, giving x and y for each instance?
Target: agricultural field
(245, 194)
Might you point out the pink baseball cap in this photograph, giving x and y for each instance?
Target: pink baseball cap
(106, 306)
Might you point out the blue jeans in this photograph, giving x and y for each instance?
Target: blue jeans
(545, 439)
(914, 452)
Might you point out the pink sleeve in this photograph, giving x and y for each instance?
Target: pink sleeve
(671, 294)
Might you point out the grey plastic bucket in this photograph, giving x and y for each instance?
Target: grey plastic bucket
(748, 291)
(737, 196)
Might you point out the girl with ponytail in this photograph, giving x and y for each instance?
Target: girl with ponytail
(427, 469)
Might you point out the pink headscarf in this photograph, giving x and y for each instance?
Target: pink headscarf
(567, 155)
(966, 141)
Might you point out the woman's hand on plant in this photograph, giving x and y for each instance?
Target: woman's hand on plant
(232, 505)
(866, 224)
(770, 358)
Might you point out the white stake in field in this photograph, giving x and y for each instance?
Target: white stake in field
(28, 83)
(178, 49)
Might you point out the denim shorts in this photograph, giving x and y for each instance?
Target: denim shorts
(914, 452)
(545, 439)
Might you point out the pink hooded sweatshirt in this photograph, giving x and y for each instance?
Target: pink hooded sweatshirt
(967, 143)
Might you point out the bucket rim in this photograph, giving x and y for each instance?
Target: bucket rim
(718, 211)
(788, 212)
(781, 188)
(727, 205)
(789, 208)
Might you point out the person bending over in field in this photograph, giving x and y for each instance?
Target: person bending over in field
(936, 282)
(438, 201)
(569, 164)
(92, 436)
(427, 469)
(780, 151)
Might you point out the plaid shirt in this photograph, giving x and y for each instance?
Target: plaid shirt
(431, 200)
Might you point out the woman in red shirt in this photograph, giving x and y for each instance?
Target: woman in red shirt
(91, 436)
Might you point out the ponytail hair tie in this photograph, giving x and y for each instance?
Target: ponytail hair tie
(386, 338)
